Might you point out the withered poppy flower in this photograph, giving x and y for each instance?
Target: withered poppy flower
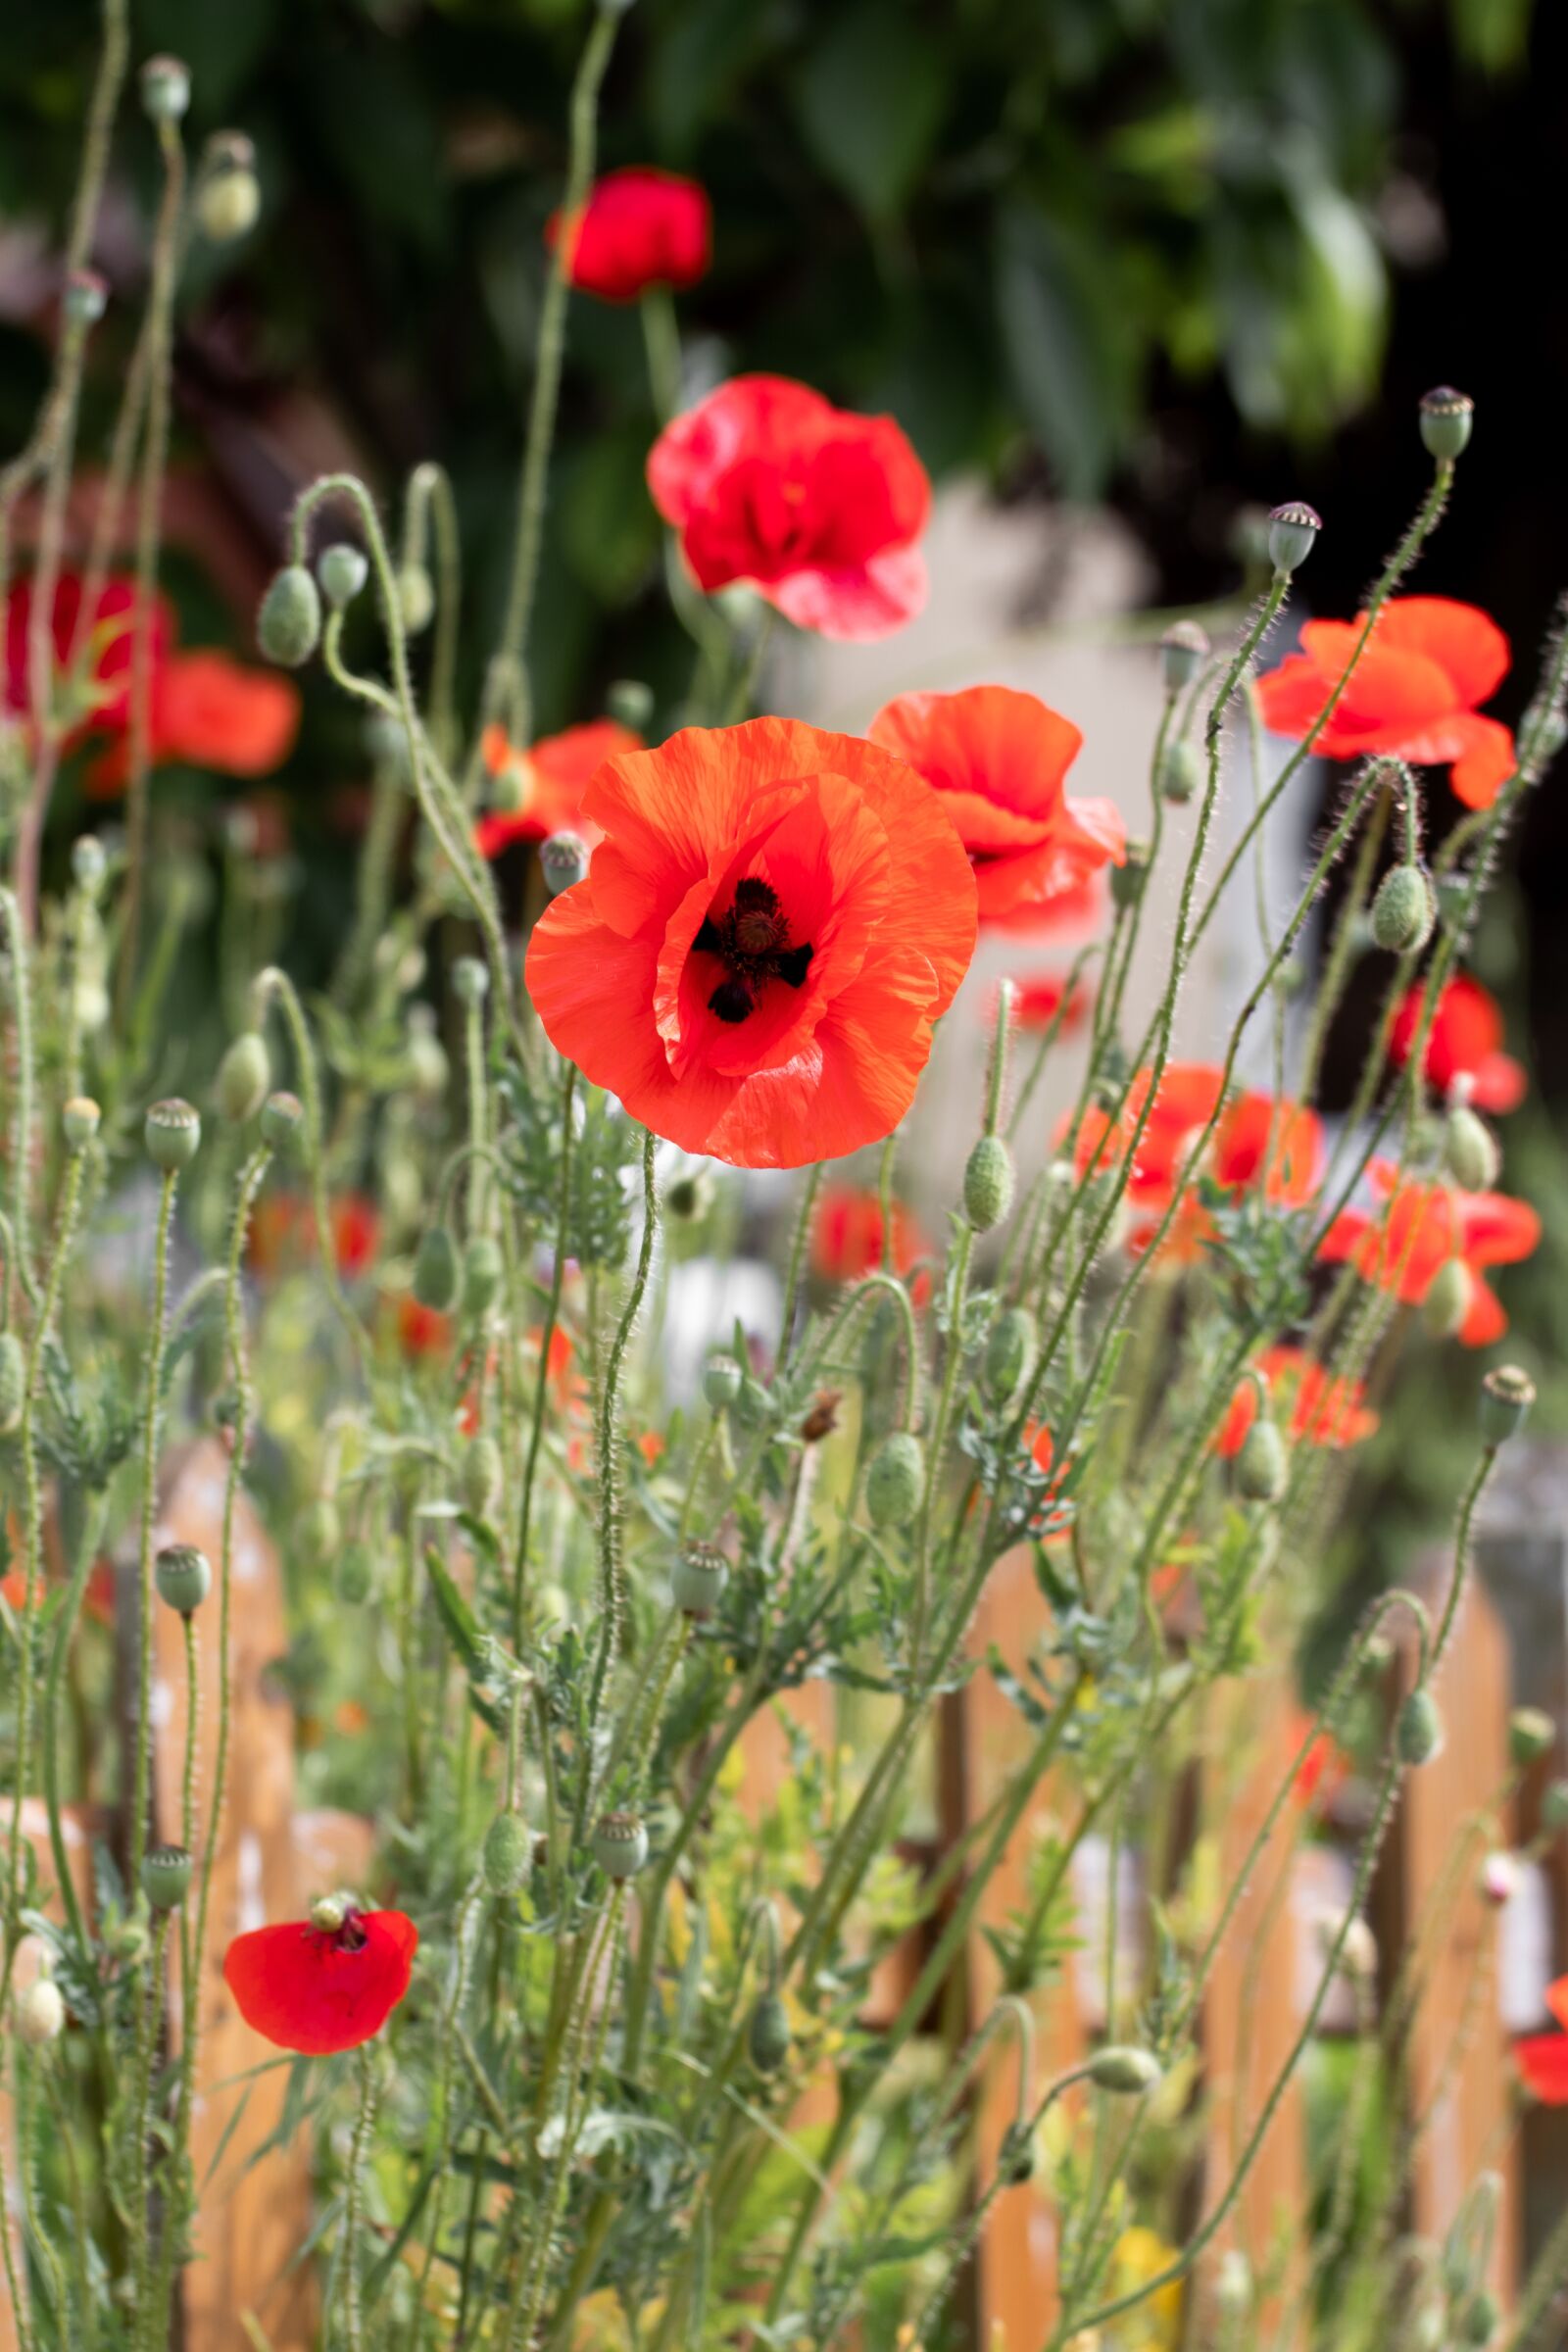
(768, 484)
(1323, 1411)
(547, 780)
(999, 760)
(315, 1990)
(1415, 691)
(771, 924)
(1404, 1246)
(637, 229)
(1464, 1040)
(1543, 2058)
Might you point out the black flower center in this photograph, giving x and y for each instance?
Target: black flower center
(752, 939)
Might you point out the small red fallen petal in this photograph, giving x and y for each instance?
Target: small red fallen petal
(312, 1992)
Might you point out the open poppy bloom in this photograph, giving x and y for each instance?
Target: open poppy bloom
(999, 760)
(323, 1984)
(1543, 2058)
(768, 931)
(818, 510)
(282, 1233)
(1036, 1001)
(846, 1236)
(1404, 1247)
(1323, 1411)
(1257, 1142)
(638, 228)
(1464, 1040)
(1416, 691)
(546, 781)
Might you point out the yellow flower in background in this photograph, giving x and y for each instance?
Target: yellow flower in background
(1153, 2326)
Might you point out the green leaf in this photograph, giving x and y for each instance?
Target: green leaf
(869, 99)
(470, 1643)
(1067, 338)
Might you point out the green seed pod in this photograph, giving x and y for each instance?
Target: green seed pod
(228, 200)
(1555, 1807)
(1015, 2157)
(329, 1913)
(288, 626)
(415, 598)
(484, 1270)
(508, 1853)
(13, 1382)
(1531, 1735)
(1480, 2319)
(243, 1077)
(1009, 1355)
(768, 2035)
(721, 1382)
(1263, 1464)
(1419, 1731)
(436, 1271)
(184, 1577)
(79, 1122)
(172, 1135)
(1127, 879)
(354, 1577)
(343, 572)
(630, 703)
(1506, 1395)
(1404, 911)
(470, 980)
(1293, 531)
(481, 1475)
(88, 864)
(1446, 417)
(164, 85)
(562, 862)
(1121, 2068)
(428, 1067)
(1448, 1300)
(697, 1580)
(282, 1117)
(1470, 1149)
(40, 2014)
(896, 1480)
(166, 1874)
(1182, 650)
(988, 1183)
(1181, 772)
(621, 1845)
(320, 1531)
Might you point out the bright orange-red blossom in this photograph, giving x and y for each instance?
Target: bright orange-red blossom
(1252, 1128)
(1404, 1246)
(639, 227)
(1543, 2058)
(547, 781)
(1464, 1040)
(847, 1235)
(818, 509)
(999, 760)
(1415, 693)
(314, 1990)
(1037, 999)
(768, 931)
(1323, 1411)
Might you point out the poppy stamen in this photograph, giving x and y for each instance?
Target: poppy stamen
(753, 940)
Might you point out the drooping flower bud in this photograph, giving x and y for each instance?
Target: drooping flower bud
(630, 703)
(508, 1853)
(721, 1382)
(243, 1077)
(1447, 418)
(1470, 1149)
(988, 1183)
(1182, 649)
(1181, 772)
(1123, 2069)
(767, 2034)
(1447, 1301)
(282, 1115)
(164, 84)
(343, 571)
(896, 1480)
(1404, 911)
(470, 980)
(1015, 2156)
(1263, 1464)
(166, 1874)
(288, 626)
(1481, 2318)
(184, 1577)
(1419, 1731)
(1127, 879)
(228, 195)
(621, 1845)
(698, 1579)
(483, 1272)
(436, 1271)
(415, 598)
(1293, 531)
(40, 2014)
(80, 1120)
(428, 1067)
(1506, 1394)
(563, 862)
(173, 1134)
(1009, 1355)
(1531, 1735)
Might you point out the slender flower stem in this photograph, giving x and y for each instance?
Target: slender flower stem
(541, 1392)
(354, 2209)
(275, 982)
(795, 1272)
(152, 1405)
(19, 1242)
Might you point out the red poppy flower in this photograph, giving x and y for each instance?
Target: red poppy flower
(209, 711)
(1036, 1001)
(282, 1232)
(424, 1330)
(1250, 1130)
(638, 228)
(1464, 1040)
(547, 781)
(1415, 691)
(770, 484)
(847, 1235)
(315, 1991)
(771, 924)
(1324, 1769)
(1403, 1247)
(1000, 761)
(1323, 1411)
(1543, 2058)
(109, 636)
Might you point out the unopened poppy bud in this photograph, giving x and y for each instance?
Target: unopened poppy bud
(165, 1873)
(1404, 911)
(1181, 772)
(328, 1913)
(320, 1531)
(688, 1197)
(721, 1382)
(1447, 1301)
(1419, 1731)
(165, 83)
(768, 2035)
(88, 864)
(988, 1183)
(173, 1134)
(630, 703)
(508, 1853)
(1531, 1735)
(436, 1271)
(1127, 879)
(282, 1115)
(1481, 2318)
(1121, 2068)
(1009, 1355)
(288, 626)
(40, 2014)
(1555, 1807)
(13, 1382)
(415, 598)
(1263, 1464)
(1293, 531)
(1233, 2285)
(343, 572)
(1015, 2157)
(697, 1580)
(1506, 1395)
(85, 297)
(1184, 646)
(563, 862)
(1470, 1149)
(243, 1077)
(428, 1067)
(621, 1845)
(1447, 417)
(354, 1577)
(470, 980)
(481, 1474)
(896, 1480)
(229, 197)
(483, 1273)
(1500, 1879)
(78, 1121)
(184, 1577)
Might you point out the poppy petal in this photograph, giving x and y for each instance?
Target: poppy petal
(309, 1992)
(1487, 760)
(1542, 2063)
(1465, 641)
